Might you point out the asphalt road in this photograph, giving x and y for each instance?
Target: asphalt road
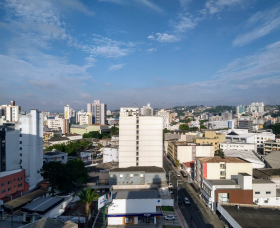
(198, 218)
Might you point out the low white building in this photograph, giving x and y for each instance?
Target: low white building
(238, 146)
(85, 156)
(56, 156)
(110, 154)
(134, 206)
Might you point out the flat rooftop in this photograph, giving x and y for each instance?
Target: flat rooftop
(218, 159)
(262, 181)
(136, 194)
(248, 217)
(7, 173)
(148, 169)
(222, 182)
(265, 173)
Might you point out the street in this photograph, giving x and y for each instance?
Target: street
(199, 219)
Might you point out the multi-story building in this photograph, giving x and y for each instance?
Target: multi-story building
(238, 146)
(86, 119)
(227, 115)
(220, 168)
(10, 112)
(245, 124)
(58, 122)
(147, 110)
(258, 107)
(69, 114)
(240, 109)
(22, 146)
(186, 152)
(140, 139)
(271, 145)
(56, 156)
(82, 129)
(213, 138)
(13, 184)
(221, 124)
(165, 118)
(98, 111)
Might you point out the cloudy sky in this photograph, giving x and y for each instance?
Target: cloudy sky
(131, 52)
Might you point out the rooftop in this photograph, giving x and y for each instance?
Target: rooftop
(248, 217)
(262, 181)
(148, 169)
(7, 173)
(273, 159)
(58, 139)
(222, 182)
(50, 153)
(136, 194)
(265, 173)
(217, 159)
(51, 223)
(244, 154)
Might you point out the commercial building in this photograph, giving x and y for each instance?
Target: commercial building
(85, 119)
(271, 145)
(140, 139)
(82, 129)
(165, 118)
(238, 146)
(245, 124)
(213, 138)
(22, 146)
(257, 107)
(98, 111)
(58, 122)
(147, 110)
(268, 174)
(220, 124)
(134, 206)
(13, 184)
(69, 114)
(220, 168)
(137, 175)
(183, 151)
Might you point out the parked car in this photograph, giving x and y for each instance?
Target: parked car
(170, 185)
(183, 173)
(169, 217)
(187, 201)
(179, 200)
(98, 190)
(178, 175)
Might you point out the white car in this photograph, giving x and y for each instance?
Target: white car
(170, 185)
(169, 217)
(178, 175)
(187, 201)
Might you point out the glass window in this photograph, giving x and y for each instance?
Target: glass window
(3, 184)
(223, 197)
(268, 192)
(257, 193)
(3, 191)
(121, 175)
(19, 185)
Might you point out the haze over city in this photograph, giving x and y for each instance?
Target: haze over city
(167, 53)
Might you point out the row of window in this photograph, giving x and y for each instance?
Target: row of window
(9, 189)
(9, 182)
(127, 175)
(260, 192)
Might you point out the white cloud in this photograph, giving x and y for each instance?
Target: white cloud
(150, 5)
(75, 5)
(151, 37)
(165, 38)
(185, 23)
(259, 25)
(184, 3)
(117, 66)
(215, 6)
(151, 50)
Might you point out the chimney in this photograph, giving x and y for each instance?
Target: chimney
(13, 103)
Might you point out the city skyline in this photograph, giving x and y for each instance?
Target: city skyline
(130, 53)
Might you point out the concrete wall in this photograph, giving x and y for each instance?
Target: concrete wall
(263, 188)
(232, 169)
(213, 171)
(238, 146)
(110, 154)
(184, 153)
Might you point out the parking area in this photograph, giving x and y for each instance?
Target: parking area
(175, 222)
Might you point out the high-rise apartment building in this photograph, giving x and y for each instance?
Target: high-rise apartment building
(10, 112)
(240, 109)
(165, 118)
(58, 122)
(69, 114)
(21, 146)
(98, 111)
(258, 107)
(140, 139)
(147, 110)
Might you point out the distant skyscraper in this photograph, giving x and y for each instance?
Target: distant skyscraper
(240, 109)
(147, 110)
(140, 139)
(98, 111)
(69, 114)
(258, 107)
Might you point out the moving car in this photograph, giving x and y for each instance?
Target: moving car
(169, 217)
(187, 201)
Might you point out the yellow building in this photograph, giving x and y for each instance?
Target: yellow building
(82, 129)
(213, 138)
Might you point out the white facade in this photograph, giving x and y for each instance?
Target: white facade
(98, 111)
(69, 112)
(265, 193)
(258, 107)
(165, 118)
(238, 146)
(10, 112)
(58, 122)
(128, 111)
(140, 141)
(85, 119)
(110, 155)
(147, 110)
(218, 124)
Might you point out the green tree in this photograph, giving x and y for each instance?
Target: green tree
(194, 129)
(105, 136)
(184, 127)
(276, 129)
(202, 127)
(220, 153)
(92, 134)
(177, 163)
(87, 196)
(56, 136)
(54, 172)
(114, 130)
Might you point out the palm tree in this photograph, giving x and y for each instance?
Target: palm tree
(87, 196)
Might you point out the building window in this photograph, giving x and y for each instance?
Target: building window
(223, 197)
(137, 164)
(3, 191)
(9, 182)
(9, 189)
(20, 178)
(3, 184)
(257, 193)
(20, 149)
(121, 175)
(268, 192)
(19, 185)
(20, 135)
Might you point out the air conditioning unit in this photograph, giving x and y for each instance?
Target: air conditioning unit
(266, 201)
(257, 201)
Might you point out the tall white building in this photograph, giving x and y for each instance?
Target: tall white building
(165, 118)
(10, 112)
(98, 111)
(69, 114)
(58, 122)
(21, 146)
(140, 139)
(147, 110)
(258, 107)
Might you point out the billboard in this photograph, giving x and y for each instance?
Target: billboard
(104, 200)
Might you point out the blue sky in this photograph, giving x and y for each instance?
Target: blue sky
(131, 52)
